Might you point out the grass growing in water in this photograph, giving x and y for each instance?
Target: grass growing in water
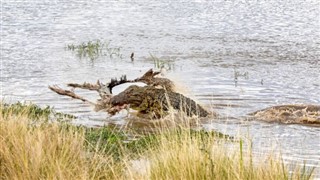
(159, 63)
(94, 49)
(62, 151)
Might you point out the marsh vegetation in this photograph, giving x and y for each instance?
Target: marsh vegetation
(49, 150)
(161, 63)
(94, 49)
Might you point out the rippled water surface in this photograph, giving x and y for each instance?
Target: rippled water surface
(274, 46)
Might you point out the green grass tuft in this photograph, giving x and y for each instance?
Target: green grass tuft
(94, 50)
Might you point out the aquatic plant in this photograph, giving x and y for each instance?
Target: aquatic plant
(160, 63)
(95, 49)
(238, 74)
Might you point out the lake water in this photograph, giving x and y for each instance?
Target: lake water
(275, 45)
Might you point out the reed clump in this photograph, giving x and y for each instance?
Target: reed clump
(161, 63)
(94, 49)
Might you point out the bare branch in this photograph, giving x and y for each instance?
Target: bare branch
(85, 85)
(60, 91)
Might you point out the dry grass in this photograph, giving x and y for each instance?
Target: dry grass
(187, 156)
(54, 151)
(47, 151)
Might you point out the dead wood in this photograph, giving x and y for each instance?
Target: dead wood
(104, 91)
(60, 91)
(86, 85)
